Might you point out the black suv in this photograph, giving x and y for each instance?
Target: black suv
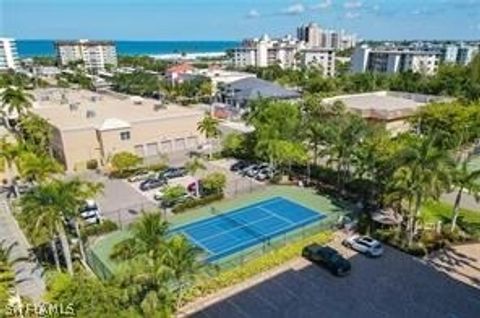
(152, 183)
(328, 258)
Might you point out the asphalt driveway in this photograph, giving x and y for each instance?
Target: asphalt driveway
(395, 285)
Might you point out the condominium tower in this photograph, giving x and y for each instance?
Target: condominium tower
(394, 60)
(316, 37)
(8, 54)
(94, 54)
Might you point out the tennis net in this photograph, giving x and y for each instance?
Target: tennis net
(245, 226)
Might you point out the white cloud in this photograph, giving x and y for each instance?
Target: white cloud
(294, 9)
(252, 14)
(352, 4)
(417, 12)
(376, 7)
(352, 15)
(322, 5)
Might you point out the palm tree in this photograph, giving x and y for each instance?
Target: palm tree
(465, 180)
(427, 173)
(9, 153)
(181, 257)
(148, 238)
(209, 127)
(193, 166)
(16, 100)
(50, 203)
(37, 168)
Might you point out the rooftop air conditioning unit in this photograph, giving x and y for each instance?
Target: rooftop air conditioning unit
(73, 106)
(93, 98)
(91, 114)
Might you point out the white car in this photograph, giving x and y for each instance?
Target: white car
(364, 244)
(90, 213)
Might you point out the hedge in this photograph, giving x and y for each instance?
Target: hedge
(210, 285)
(197, 202)
(106, 226)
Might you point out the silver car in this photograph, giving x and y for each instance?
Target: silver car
(364, 244)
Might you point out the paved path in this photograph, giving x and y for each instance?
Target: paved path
(28, 274)
(468, 201)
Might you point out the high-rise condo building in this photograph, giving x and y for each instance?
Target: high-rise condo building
(316, 37)
(394, 60)
(8, 54)
(95, 55)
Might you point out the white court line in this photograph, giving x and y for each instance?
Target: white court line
(196, 242)
(273, 214)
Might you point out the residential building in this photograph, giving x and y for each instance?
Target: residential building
(174, 73)
(466, 54)
(265, 51)
(392, 109)
(324, 59)
(237, 94)
(394, 60)
(219, 76)
(8, 54)
(91, 126)
(316, 37)
(95, 55)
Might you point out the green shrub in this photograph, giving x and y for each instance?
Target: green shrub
(92, 164)
(256, 266)
(197, 202)
(157, 167)
(106, 226)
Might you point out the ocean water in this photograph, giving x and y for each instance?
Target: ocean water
(29, 48)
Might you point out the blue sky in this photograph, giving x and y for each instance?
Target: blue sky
(236, 19)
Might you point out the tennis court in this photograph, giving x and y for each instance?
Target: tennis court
(228, 233)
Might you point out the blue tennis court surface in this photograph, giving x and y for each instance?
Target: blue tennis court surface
(231, 232)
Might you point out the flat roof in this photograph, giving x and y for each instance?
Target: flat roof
(69, 109)
(385, 104)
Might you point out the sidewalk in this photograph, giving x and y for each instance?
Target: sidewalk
(28, 274)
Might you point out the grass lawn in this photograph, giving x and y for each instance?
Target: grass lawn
(307, 197)
(439, 211)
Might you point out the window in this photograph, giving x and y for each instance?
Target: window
(125, 135)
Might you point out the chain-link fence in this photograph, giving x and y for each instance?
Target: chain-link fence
(97, 266)
(273, 243)
(127, 215)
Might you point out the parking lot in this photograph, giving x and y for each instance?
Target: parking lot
(395, 285)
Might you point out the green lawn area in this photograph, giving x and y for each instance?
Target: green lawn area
(307, 197)
(434, 211)
(475, 164)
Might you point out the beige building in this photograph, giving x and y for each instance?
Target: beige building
(90, 126)
(389, 108)
(94, 54)
(324, 59)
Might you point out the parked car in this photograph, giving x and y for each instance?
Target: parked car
(364, 244)
(244, 171)
(173, 172)
(90, 212)
(170, 204)
(152, 183)
(140, 176)
(328, 258)
(256, 170)
(265, 173)
(239, 165)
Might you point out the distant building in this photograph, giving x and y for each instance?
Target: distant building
(316, 37)
(466, 54)
(237, 94)
(459, 54)
(394, 60)
(95, 55)
(8, 54)
(221, 77)
(392, 109)
(321, 58)
(175, 72)
(265, 51)
(91, 126)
